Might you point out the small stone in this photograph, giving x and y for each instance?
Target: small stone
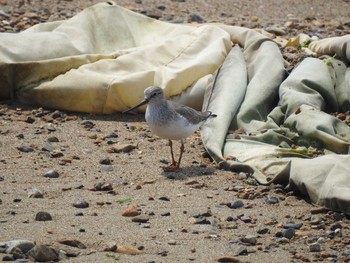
(72, 243)
(121, 148)
(140, 219)
(236, 204)
(336, 226)
(288, 233)
(242, 250)
(242, 175)
(245, 219)
(43, 216)
(105, 161)
(199, 220)
(51, 174)
(172, 242)
(81, 204)
(228, 259)
(35, 193)
(294, 226)
(315, 247)
(263, 231)
(128, 250)
(276, 30)
(197, 17)
(43, 253)
(160, 6)
(131, 211)
(25, 149)
(52, 139)
(164, 198)
(165, 214)
(318, 210)
(250, 239)
(272, 200)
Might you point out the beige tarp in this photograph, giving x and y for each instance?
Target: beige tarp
(101, 60)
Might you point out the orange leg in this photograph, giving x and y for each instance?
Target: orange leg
(172, 154)
(182, 149)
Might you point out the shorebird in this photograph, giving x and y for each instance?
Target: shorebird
(171, 120)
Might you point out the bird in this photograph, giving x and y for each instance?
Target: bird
(171, 120)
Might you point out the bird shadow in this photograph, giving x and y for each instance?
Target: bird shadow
(188, 172)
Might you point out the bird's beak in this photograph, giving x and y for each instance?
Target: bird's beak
(145, 101)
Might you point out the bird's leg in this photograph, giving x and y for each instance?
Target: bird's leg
(172, 154)
(182, 148)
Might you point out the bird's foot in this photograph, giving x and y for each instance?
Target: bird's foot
(172, 168)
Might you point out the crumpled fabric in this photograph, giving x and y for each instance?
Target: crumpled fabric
(101, 60)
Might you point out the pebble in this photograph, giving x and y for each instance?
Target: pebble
(250, 239)
(106, 161)
(272, 200)
(236, 204)
(128, 250)
(81, 204)
(25, 149)
(51, 174)
(197, 17)
(172, 242)
(199, 220)
(228, 260)
(245, 219)
(140, 219)
(43, 216)
(121, 148)
(72, 243)
(242, 250)
(315, 247)
(43, 253)
(131, 211)
(35, 193)
(164, 198)
(288, 233)
(292, 225)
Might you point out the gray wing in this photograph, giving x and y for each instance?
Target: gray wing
(190, 114)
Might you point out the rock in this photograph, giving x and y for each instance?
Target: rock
(72, 243)
(250, 239)
(35, 193)
(245, 219)
(87, 124)
(172, 242)
(81, 204)
(131, 211)
(263, 231)
(315, 247)
(106, 161)
(140, 219)
(292, 225)
(102, 187)
(43, 216)
(318, 210)
(242, 250)
(288, 233)
(228, 259)
(121, 148)
(52, 139)
(199, 220)
(160, 6)
(276, 30)
(23, 245)
(272, 200)
(51, 174)
(25, 149)
(236, 204)
(197, 17)
(42, 253)
(164, 198)
(128, 250)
